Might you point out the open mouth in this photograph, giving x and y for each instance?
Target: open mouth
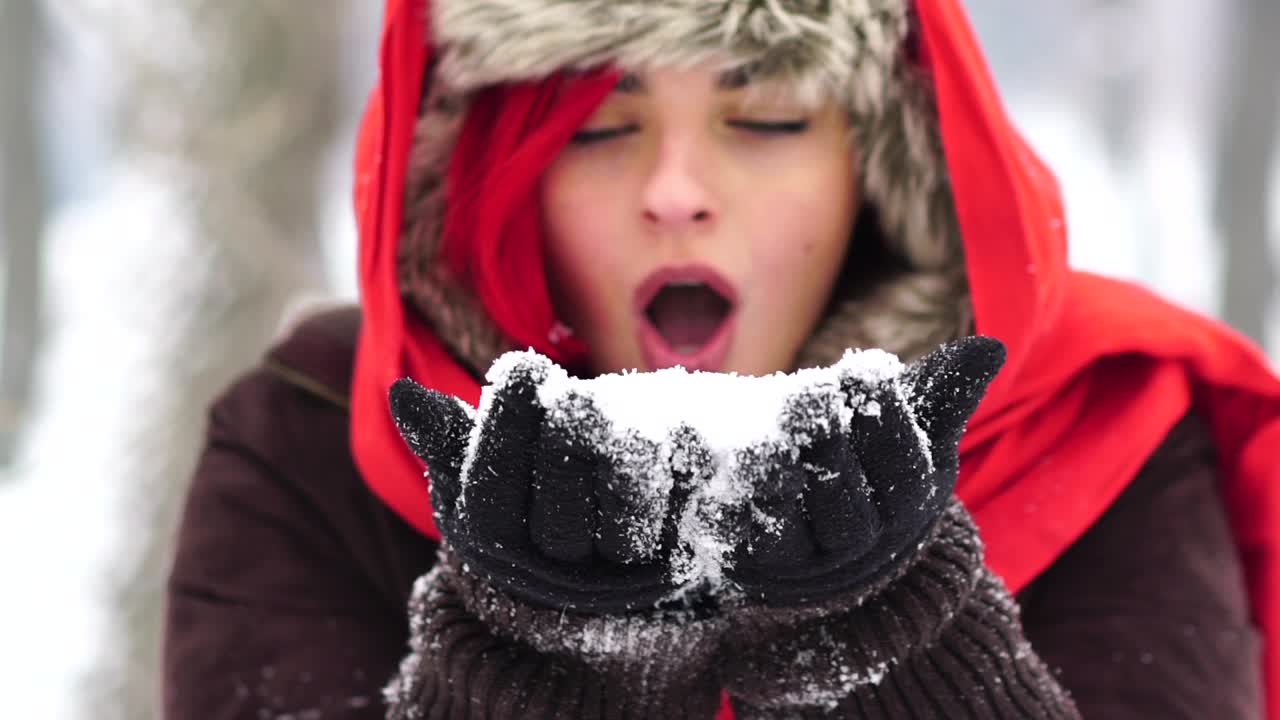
(686, 317)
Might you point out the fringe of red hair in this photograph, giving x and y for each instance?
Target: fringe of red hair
(493, 234)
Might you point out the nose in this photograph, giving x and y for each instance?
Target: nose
(677, 195)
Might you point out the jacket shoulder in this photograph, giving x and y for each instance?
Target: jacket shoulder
(277, 460)
(293, 404)
(317, 355)
(1146, 614)
(290, 578)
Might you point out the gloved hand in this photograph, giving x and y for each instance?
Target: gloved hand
(867, 593)
(557, 531)
(850, 498)
(551, 506)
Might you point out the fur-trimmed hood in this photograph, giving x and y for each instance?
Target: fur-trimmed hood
(856, 51)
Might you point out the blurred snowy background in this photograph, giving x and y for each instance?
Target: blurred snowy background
(174, 187)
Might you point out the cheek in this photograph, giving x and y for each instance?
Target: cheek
(800, 235)
(796, 279)
(805, 240)
(580, 229)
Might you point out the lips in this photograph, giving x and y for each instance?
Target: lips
(686, 317)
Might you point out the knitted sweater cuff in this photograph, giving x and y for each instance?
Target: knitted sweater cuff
(941, 637)
(476, 647)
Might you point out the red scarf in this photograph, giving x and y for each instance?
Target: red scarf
(1098, 370)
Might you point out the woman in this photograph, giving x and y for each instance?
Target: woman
(752, 186)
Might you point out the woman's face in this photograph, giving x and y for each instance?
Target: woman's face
(698, 221)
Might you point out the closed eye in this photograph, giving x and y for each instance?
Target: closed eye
(788, 127)
(589, 136)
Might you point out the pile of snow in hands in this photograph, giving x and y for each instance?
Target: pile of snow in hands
(718, 429)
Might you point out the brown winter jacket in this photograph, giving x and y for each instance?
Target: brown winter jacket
(288, 594)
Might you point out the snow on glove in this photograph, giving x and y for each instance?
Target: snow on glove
(862, 474)
(870, 595)
(557, 532)
(542, 499)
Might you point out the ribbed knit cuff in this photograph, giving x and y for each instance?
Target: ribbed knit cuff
(941, 640)
(478, 653)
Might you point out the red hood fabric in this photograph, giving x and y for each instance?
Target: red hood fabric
(1098, 370)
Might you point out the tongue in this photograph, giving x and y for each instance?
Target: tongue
(687, 317)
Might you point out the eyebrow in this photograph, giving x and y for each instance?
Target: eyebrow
(733, 79)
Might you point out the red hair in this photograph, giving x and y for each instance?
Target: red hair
(492, 236)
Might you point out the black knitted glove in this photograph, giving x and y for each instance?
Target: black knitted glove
(557, 535)
(835, 511)
(552, 507)
(871, 598)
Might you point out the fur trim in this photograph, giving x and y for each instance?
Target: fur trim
(848, 49)
(820, 46)
(908, 315)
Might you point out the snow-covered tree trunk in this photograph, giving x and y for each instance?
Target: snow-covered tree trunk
(1247, 149)
(228, 111)
(22, 211)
